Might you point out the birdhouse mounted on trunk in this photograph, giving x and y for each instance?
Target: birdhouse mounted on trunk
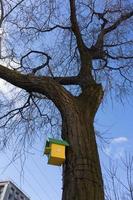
(55, 150)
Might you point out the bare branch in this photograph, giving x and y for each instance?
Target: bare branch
(17, 110)
(47, 29)
(100, 40)
(119, 44)
(120, 57)
(75, 27)
(43, 85)
(72, 80)
(12, 9)
(2, 12)
(39, 67)
(118, 22)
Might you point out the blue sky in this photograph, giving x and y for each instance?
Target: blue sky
(42, 181)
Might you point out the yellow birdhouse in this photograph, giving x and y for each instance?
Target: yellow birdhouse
(55, 150)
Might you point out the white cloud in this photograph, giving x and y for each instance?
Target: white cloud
(117, 147)
(120, 140)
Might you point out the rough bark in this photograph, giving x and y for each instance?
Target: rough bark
(82, 178)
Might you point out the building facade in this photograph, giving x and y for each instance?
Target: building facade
(9, 191)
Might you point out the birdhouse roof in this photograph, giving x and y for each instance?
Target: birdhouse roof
(60, 142)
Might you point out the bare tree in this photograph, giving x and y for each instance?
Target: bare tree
(119, 179)
(65, 54)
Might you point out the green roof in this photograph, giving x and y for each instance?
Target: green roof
(61, 142)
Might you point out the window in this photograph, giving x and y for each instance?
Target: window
(1, 190)
(12, 190)
(10, 197)
(17, 196)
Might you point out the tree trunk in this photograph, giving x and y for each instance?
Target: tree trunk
(82, 178)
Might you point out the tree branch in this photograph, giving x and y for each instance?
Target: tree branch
(100, 40)
(17, 110)
(13, 9)
(2, 12)
(71, 80)
(43, 85)
(119, 57)
(48, 29)
(118, 44)
(118, 22)
(39, 67)
(85, 73)
(75, 27)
